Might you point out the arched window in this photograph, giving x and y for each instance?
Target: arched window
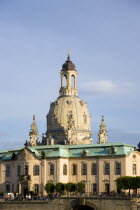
(134, 168)
(94, 169)
(64, 169)
(73, 81)
(118, 168)
(74, 169)
(7, 188)
(26, 170)
(36, 170)
(8, 170)
(106, 168)
(64, 80)
(18, 171)
(51, 169)
(84, 169)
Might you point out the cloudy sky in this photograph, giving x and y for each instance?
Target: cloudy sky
(104, 39)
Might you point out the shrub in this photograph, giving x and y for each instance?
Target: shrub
(80, 187)
(49, 187)
(70, 187)
(60, 187)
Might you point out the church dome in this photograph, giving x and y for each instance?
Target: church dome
(68, 120)
(68, 108)
(67, 115)
(68, 65)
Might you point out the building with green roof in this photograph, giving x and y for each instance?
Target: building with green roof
(66, 152)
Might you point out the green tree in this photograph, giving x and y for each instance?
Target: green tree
(49, 187)
(128, 182)
(80, 187)
(138, 181)
(70, 187)
(60, 187)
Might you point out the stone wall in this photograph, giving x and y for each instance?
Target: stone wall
(73, 203)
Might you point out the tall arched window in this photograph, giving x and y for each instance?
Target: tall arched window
(94, 169)
(64, 80)
(26, 170)
(118, 168)
(74, 169)
(64, 169)
(36, 170)
(18, 171)
(106, 168)
(84, 169)
(8, 170)
(134, 169)
(51, 169)
(73, 81)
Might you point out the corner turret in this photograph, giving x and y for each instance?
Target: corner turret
(33, 133)
(102, 135)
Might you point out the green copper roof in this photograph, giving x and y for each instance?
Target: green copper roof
(66, 151)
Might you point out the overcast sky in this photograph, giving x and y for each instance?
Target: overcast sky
(104, 39)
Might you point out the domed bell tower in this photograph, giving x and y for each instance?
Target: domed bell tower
(68, 79)
(68, 120)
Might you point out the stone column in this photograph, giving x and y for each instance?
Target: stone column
(19, 188)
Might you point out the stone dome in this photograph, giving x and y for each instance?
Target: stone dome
(68, 120)
(69, 113)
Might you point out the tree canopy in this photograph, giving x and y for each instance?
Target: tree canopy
(80, 186)
(70, 187)
(60, 187)
(128, 182)
(49, 187)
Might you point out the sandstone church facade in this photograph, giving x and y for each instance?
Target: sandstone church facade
(66, 152)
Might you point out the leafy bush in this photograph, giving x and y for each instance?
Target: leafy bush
(80, 186)
(128, 182)
(60, 187)
(70, 187)
(49, 187)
